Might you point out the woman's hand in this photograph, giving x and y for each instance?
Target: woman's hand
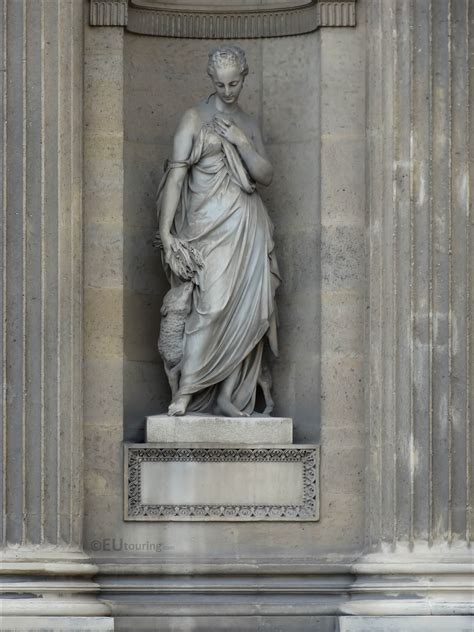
(166, 240)
(230, 131)
(252, 151)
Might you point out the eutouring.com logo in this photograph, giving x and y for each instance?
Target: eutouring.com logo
(116, 545)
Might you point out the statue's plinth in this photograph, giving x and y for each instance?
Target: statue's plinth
(204, 467)
(214, 429)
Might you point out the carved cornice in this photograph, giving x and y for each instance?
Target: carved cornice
(219, 22)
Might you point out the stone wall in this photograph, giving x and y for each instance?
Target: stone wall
(370, 132)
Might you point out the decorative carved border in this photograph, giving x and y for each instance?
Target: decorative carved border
(221, 24)
(136, 454)
(108, 12)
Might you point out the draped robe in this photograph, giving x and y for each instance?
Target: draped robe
(221, 214)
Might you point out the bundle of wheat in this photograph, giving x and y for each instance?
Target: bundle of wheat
(184, 260)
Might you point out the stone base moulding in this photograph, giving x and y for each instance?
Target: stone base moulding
(214, 482)
(332, 595)
(50, 589)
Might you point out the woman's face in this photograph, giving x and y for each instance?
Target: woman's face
(228, 82)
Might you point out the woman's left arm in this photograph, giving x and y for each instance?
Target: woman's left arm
(251, 150)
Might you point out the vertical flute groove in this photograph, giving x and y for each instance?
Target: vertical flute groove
(412, 276)
(387, 435)
(380, 290)
(440, 270)
(430, 275)
(42, 259)
(450, 272)
(72, 445)
(468, 283)
(4, 271)
(394, 281)
(23, 282)
(13, 244)
(459, 277)
(403, 280)
(58, 281)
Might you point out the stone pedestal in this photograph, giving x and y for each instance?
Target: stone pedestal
(209, 468)
(213, 429)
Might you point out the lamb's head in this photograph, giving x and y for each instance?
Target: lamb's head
(178, 299)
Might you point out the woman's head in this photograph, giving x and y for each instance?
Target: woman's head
(227, 68)
(225, 56)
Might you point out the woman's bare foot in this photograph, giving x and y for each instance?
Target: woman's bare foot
(179, 405)
(228, 408)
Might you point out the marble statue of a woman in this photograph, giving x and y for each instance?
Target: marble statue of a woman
(213, 222)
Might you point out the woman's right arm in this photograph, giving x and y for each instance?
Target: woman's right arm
(182, 145)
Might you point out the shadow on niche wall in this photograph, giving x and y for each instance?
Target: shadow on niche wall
(164, 77)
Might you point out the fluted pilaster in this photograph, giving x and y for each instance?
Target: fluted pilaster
(41, 249)
(41, 295)
(419, 401)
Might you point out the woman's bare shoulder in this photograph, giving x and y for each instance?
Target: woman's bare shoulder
(190, 120)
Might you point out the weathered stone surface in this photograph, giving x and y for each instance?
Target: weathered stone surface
(406, 624)
(57, 624)
(420, 294)
(396, 239)
(44, 570)
(232, 623)
(213, 429)
(41, 237)
(222, 483)
(104, 285)
(283, 76)
(158, 73)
